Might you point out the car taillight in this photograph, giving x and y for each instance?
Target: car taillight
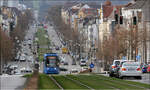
(138, 69)
(143, 67)
(113, 66)
(124, 69)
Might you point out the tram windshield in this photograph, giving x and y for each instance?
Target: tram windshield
(51, 61)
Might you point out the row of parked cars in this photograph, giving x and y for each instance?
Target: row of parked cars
(14, 69)
(123, 68)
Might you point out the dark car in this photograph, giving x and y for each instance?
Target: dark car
(65, 63)
(63, 69)
(115, 67)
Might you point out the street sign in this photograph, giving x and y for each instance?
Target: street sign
(138, 57)
(124, 58)
(91, 65)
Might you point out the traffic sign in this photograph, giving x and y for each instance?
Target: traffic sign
(92, 65)
(138, 57)
(124, 58)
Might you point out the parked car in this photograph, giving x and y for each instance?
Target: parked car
(130, 69)
(144, 68)
(82, 63)
(148, 68)
(63, 69)
(74, 71)
(26, 70)
(8, 70)
(84, 68)
(114, 67)
(22, 57)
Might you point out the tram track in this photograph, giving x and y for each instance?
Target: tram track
(120, 82)
(54, 80)
(114, 88)
(78, 82)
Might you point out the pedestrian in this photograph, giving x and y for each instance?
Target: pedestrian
(90, 70)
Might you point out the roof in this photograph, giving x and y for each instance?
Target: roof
(68, 5)
(141, 4)
(90, 11)
(95, 6)
(78, 6)
(137, 5)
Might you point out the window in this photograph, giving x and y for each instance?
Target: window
(51, 62)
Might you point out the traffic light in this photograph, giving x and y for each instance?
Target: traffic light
(116, 18)
(121, 19)
(134, 20)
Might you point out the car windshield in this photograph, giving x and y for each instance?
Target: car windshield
(82, 61)
(131, 64)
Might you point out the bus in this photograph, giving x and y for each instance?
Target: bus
(51, 63)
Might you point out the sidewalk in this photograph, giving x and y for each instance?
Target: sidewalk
(12, 82)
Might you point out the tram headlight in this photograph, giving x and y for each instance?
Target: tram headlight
(55, 68)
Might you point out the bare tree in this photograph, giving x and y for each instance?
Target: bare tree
(6, 48)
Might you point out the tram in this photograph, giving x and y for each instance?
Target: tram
(51, 63)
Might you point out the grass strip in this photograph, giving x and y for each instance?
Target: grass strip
(42, 40)
(27, 75)
(41, 52)
(125, 82)
(68, 84)
(94, 83)
(46, 83)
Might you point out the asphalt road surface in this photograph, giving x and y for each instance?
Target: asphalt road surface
(55, 39)
(12, 82)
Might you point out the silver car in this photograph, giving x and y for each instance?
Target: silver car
(130, 69)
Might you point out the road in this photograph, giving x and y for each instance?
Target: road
(55, 39)
(12, 82)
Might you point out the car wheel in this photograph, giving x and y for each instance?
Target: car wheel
(111, 75)
(117, 75)
(121, 77)
(139, 77)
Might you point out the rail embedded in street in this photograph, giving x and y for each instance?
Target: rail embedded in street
(53, 79)
(78, 82)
